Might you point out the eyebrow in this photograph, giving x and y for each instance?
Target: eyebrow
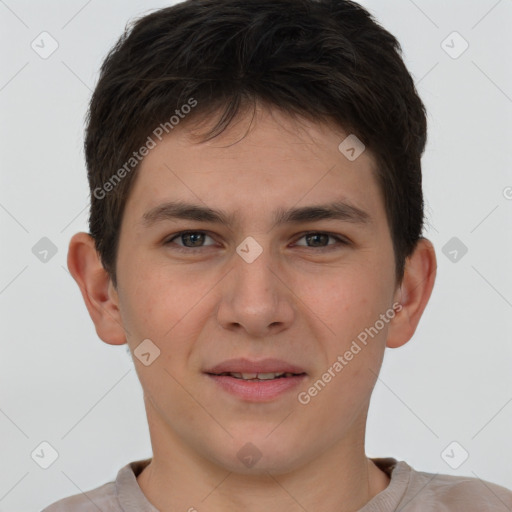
(337, 210)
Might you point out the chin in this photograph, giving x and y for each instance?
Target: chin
(259, 455)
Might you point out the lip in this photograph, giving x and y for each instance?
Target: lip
(243, 365)
(256, 390)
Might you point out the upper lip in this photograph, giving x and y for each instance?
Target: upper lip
(242, 365)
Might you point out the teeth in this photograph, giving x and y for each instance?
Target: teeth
(259, 376)
(268, 376)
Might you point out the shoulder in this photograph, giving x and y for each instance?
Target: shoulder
(121, 494)
(450, 493)
(102, 498)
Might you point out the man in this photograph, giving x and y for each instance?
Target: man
(255, 239)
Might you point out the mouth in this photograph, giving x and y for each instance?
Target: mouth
(249, 369)
(257, 376)
(256, 381)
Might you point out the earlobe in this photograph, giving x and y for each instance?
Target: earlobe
(97, 291)
(413, 293)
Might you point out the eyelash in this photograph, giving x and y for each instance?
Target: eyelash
(341, 241)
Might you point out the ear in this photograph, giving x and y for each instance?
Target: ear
(99, 294)
(413, 293)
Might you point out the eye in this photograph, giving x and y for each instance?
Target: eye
(190, 239)
(320, 239)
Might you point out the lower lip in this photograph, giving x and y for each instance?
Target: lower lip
(257, 390)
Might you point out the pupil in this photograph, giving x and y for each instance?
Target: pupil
(187, 236)
(317, 236)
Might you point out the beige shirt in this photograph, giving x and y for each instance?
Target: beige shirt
(408, 491)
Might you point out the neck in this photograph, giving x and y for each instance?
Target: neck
(342, 479)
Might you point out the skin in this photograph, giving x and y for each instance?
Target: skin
(301, 300)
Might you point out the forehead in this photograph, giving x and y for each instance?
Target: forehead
(260, 166)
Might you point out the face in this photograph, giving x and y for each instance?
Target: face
(270, 285)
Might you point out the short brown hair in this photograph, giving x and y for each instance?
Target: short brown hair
(325, 60)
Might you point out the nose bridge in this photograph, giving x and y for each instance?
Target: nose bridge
(253, 270)
(253, 296)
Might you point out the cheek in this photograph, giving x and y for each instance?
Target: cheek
(167, 307)
(345, 301)
(350, 304)
(149, 306)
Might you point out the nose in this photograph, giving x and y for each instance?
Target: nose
(255, 297)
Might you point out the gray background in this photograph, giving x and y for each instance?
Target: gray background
(62, 385)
